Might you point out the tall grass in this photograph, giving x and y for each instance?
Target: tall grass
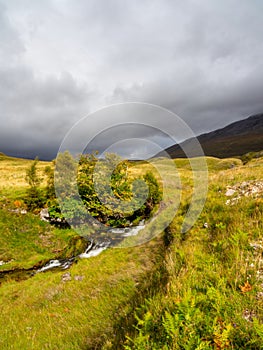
(214, 295)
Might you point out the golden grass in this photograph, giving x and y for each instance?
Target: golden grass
(13, 171)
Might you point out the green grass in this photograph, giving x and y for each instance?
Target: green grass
(25, 240)
(204, 306)
(43, 312)
(178, 291)
(74, 314)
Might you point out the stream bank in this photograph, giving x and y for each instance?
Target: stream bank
(79, 247)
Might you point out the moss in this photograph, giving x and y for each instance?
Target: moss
(74, 247)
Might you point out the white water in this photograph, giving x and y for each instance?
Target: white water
(93, 249)
(133, 231)
(50, 265)
(91, 253)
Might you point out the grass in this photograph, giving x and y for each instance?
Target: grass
(25, 240)
(13, 172)
(198, 290)
(213, 298)
(78, 314)
(82, 313)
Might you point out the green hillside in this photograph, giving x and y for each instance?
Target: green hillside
(198, 290)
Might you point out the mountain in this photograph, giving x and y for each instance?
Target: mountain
(235, 139)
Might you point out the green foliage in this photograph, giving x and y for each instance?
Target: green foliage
(34, 198)
(251, 155)
(67, 205)
(155, 194)
(77, 314)
(106, 189)
(32, 177)
(50, 187)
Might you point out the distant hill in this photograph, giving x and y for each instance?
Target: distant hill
(235, 139)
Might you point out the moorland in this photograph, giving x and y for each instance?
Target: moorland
(200, 289)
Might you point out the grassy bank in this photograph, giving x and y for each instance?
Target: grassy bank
(47, 312)
(214, 296)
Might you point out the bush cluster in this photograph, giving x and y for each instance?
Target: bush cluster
(105, 190)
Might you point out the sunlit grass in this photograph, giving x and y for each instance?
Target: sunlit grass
(205, 306)
(185, 296)
(77, 313)
(13, 171)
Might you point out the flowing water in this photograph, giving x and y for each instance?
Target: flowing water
(94, 248)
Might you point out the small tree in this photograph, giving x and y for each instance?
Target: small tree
(34, 198)
(67, 205)
(105, 188)
(31, 175)
(50, 187)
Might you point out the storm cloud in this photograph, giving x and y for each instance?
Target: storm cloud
(61, 60)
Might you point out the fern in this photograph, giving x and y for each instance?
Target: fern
(170, 324)
(258, 328)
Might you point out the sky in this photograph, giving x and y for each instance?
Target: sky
(62, 60)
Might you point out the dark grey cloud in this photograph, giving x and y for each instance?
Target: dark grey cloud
(36, 113)
(60, 60)
(138, 141)
(201, 103)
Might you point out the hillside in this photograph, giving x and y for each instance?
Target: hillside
(196, 290)
(13, 171)
(236, 139)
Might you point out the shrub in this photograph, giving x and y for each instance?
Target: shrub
(34, 198)
(105, 188)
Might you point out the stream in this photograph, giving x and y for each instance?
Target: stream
(94, 247)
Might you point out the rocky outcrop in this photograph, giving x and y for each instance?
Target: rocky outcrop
(244, 189)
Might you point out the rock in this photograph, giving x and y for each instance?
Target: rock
(2, 262)
(77, 245)
(244, 184)
(14, 211)
(245, 189)
(259, 296)
(254, 190)
(256, 246)
(78, 278)
(230, 192)
(66, 277)
(44, 215)
(249, 315)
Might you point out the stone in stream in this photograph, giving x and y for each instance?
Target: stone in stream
(44, 215)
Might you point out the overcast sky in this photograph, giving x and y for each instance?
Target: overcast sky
(63, 59)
